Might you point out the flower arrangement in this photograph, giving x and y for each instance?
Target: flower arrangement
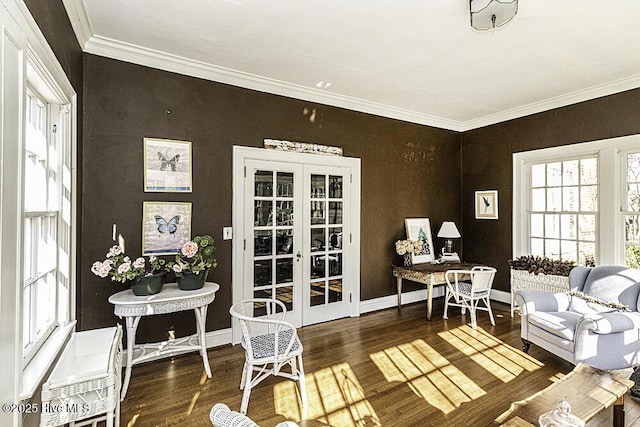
(195, 256)
(408, 246)
(121, 268)
(542, 265)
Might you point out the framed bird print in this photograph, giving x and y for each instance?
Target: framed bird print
(487, 204)
(166, 227)
(167, 165)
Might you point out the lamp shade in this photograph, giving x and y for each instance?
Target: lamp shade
(448, 230)
(488, 14)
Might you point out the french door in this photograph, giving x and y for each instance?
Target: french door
(297, 236)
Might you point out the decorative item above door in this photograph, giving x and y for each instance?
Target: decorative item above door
(301, 147)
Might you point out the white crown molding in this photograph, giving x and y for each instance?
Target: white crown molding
(79, 20)
(616, 86)
(152, 58)
(160, 60)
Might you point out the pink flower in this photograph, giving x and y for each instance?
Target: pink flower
(104, 271)
(190, 249)
(95, 268)
(177, 268)
(139, 263)
(124, 268)
(115, 250)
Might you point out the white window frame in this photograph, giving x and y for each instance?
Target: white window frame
(610, 239)
(22, 39)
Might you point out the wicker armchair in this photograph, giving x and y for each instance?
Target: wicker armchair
(270, 344)
(468, 294)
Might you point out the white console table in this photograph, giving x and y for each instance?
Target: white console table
(170, 300)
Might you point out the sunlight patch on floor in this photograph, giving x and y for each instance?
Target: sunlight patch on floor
(335, 397)
(498, 358)
(428, 374)
(194, 400)
(132, 421)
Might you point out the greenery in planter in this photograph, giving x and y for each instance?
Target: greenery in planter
(195, 256)
(542, 265)
(121, 268)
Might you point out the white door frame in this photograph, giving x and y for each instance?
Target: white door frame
(240, 155)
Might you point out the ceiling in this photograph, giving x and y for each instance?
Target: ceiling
(415, 60)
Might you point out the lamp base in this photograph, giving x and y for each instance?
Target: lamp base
(448, 246)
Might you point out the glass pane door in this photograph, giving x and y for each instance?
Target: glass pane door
(274, 250)
(324, 242)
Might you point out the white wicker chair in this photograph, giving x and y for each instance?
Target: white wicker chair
(467, 294)
(270, 344)
(221, 416)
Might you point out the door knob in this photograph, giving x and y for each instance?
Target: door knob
(298, 256)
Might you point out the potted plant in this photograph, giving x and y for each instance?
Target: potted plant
(193, 262)
(408, 247)
(145, 279)
(539, 273)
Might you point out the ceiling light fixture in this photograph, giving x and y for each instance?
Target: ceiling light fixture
(490, 14)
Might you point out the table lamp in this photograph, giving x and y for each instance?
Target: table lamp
(448, 231)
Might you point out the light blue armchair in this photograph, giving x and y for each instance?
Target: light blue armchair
(592, 329)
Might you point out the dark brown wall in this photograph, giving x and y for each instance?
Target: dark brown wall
(487, 164)
(408, 170)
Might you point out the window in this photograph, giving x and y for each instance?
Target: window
(579, 202)
(563, 209)
(631, 210)
(47, 213)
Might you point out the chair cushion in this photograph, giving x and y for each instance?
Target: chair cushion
(465, 288)
(561, 324)
(264, 345)
(615, 284)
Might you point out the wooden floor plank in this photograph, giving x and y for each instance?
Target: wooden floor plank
(387, 368)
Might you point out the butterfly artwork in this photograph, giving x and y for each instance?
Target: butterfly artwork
(166, 161)
(167, 227)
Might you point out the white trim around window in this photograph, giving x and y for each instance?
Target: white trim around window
(610, 248)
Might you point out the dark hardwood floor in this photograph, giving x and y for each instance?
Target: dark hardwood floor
(388, 368)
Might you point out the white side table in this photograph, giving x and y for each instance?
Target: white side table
(170, 300)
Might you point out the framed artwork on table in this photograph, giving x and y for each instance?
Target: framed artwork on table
(167, 165)
(420, 229)
(166, 227)
(487, 204)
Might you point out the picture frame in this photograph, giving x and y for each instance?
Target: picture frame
(166, 227)
(420, 229)
(167, 166)
(487, 204)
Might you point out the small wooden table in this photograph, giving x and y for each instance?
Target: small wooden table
(588, 390)
(170, 300)
(428, 274)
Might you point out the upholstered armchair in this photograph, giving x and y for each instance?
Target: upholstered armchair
(596, 323)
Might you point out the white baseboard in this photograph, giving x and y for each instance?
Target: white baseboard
(381, 303)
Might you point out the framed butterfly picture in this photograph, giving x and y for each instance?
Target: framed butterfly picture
(166, 227)
(167, 165)
(487, 204)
